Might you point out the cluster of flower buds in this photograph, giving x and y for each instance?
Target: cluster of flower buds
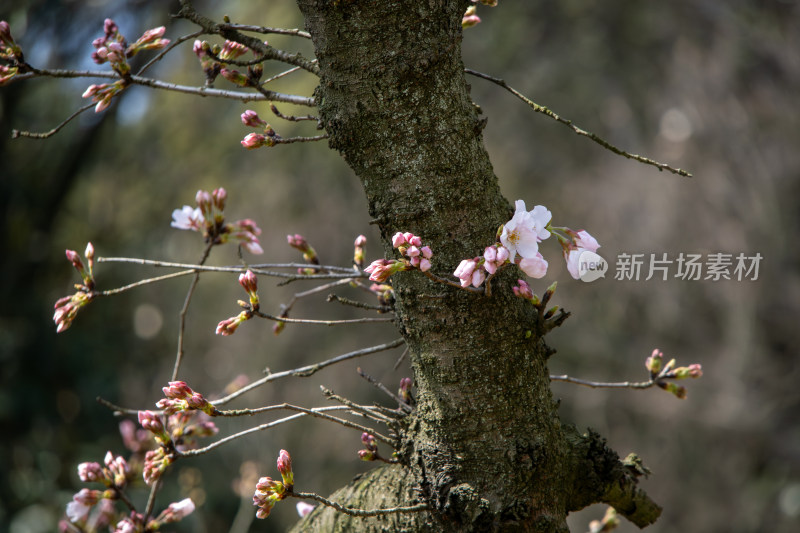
(572, 247)
(115, 473)
(249, 283)
(405, 391)
(213, 57)
(475, 271)
(102, 93)
(185, 426)
(9, 51)
(269, 491)
(155, 464)
(208, 218)
(659, 372)
(370, 453)
(257, 140)
(415, 256)
(66, 308)
(181, 397)
(114, 49)
(152, 423)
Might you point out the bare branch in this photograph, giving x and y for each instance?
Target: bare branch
(306, 371)
(184, 310)
(322, 322)
(19, 133)
(266, 30)
(359, 512)
(605, 385)
(568, 123)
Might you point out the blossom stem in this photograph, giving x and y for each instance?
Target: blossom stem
(185, 310)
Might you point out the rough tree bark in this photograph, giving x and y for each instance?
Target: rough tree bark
(485, 446)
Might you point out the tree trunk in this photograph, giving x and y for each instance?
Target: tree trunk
(484, 446)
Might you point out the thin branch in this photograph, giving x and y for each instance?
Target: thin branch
(306, 371)
(147, 282)
(290, 140)
(281, 75)
(317, 412)
(355, 407)
(380, 386)
(266, 30)
(258, 268)
(322, 322)
(158, 84)
(167, 50)
(360, 305)
(605, 385)
(151, 499)
(184, 310)
(292, 118)
(359, 512)
(19, 133)
(568, 123)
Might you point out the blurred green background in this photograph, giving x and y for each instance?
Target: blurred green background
(707, 86)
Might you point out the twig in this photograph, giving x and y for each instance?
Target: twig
(317, 412)
(359, 512)
(360, 305)
(184, 310)
(281, 75)
(151, 500)
(158, 84)
(258, 268)
(19, 133)
(291, 118)
(321, 322)
(605, 385)
(290, 140)
(400, 359)
(383, 388)
(265, 29)
(355, 407)
(309, 370)
(167, 50)
(605, 144)
(140, 283)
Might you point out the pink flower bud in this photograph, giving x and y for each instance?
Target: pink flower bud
(490, 253)
(285, 468)
(425, 264)
(75, 259)
(249, 282)
(523, 290)
(398, 239)
(412, 251)
(502, 255)
(408, 236)
(251, 118)
(415, 262)
(219, 196)
(426, 252)
(89, 253)
(415, 241)
(176, 511)
(177, 390)
(535, 267)
(478, 277)
(89, 472)
(88, 497)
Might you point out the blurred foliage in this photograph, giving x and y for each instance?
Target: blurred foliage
(708, 86)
